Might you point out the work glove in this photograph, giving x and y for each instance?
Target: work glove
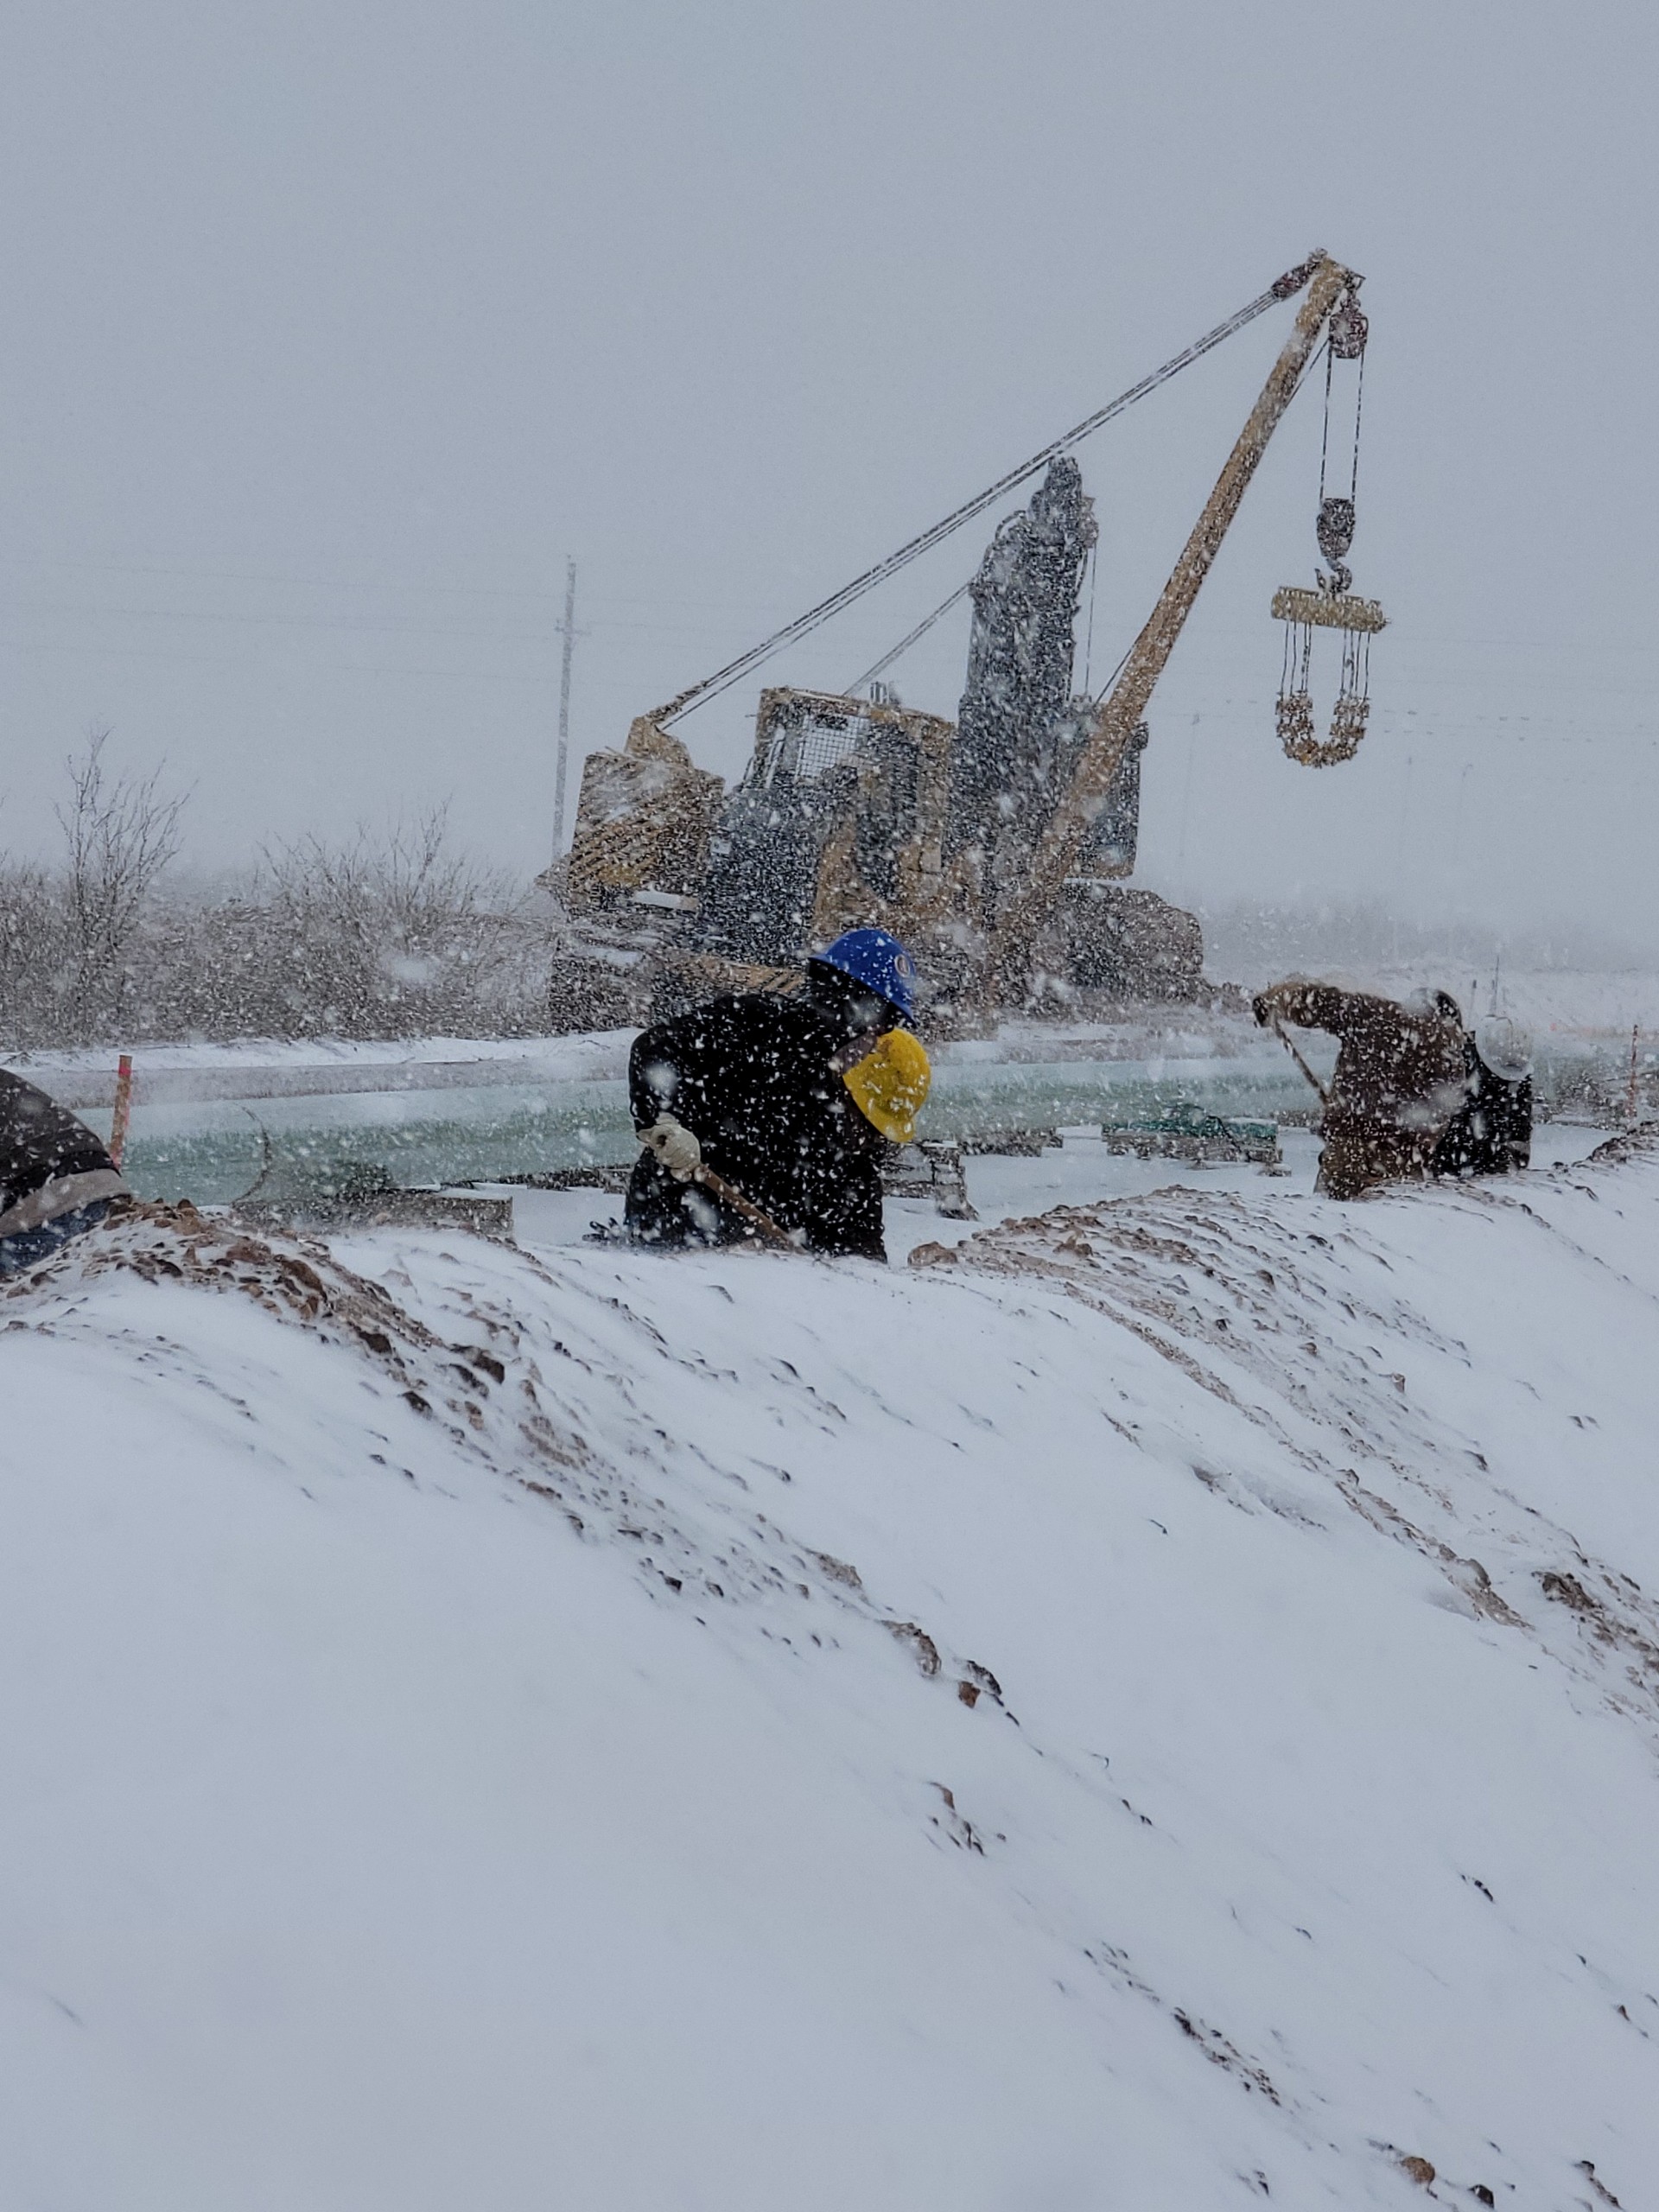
(673, 1147)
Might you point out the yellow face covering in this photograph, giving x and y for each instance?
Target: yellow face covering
(891, 1084)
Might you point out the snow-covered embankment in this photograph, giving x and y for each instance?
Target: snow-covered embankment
(1156, 1709)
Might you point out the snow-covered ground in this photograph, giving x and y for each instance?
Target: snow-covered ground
(1076, 1171)
(1155, 1706)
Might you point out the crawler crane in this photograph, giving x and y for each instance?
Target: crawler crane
(996, 846)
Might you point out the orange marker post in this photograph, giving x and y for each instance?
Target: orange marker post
(123, 1108)
(1633, 1109)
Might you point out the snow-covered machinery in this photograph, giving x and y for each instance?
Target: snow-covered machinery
(996, 846)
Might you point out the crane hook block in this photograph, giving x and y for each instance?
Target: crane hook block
(1335, 530)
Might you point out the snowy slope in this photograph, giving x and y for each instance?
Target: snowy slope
(1155, 1708)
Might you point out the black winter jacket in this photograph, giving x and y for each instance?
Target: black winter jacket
(1492, 1134)
(50, 1163)
(753, 1078)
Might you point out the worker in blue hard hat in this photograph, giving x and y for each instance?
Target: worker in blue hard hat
(790, 1101)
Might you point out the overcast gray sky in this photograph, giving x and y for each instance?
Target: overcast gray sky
(330, 327)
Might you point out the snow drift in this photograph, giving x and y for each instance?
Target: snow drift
(1154, 1707)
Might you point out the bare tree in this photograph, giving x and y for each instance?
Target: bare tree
(31, 957)
(121, 832)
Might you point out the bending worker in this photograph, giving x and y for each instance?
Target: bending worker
(56, 1179)
(1401, 1078)
(790, 1100)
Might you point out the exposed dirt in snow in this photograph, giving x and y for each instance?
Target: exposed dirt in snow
(498, 1407)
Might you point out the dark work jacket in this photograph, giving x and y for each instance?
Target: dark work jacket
(1401, 1074)
(1492, 1134)
(752, 1077)
(50, 1163)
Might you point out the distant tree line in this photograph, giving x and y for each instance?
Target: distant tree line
(386, 935)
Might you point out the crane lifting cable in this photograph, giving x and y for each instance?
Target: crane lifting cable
(1284, 288)
(1331, 604)
(910, 638)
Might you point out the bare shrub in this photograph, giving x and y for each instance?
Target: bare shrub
(394, 934)
(120, 833)
(388, 937)
(34, 957)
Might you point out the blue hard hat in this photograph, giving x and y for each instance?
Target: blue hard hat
(877, 961)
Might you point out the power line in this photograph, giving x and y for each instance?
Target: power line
(307, 583)
(415, 628)
(567, 631)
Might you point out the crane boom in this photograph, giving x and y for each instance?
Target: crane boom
(1055, 854)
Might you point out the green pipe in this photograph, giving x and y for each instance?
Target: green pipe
(216, 1151)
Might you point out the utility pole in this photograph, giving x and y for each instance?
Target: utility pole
(568, 631)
